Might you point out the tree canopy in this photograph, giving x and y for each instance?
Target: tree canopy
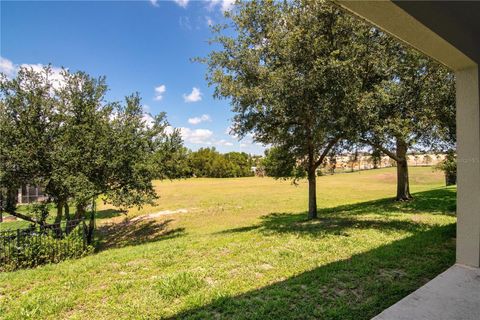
(208, 162)
(293, 72)
(66, 137)
(413, 107)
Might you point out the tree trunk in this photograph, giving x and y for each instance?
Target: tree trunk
(91, 227)
(67, 217)
(312, 193)
(450, 178)
(79, 214)
(11, 201)
(67, 211)
(403, 185)
(58, 219)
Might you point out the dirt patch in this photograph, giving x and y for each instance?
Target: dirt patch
(158, 214)
(418, 218)
(9, 218)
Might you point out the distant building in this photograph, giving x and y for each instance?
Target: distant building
(349, 162)
(30, 194)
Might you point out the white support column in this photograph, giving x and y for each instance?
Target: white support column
(468, 170)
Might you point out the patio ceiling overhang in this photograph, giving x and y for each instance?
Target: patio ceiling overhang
(448, 31)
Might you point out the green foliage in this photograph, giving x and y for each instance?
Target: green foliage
(294, 72)
(40, 211)
(279, 164)
(414, 105)
(31, 248)
(28, 124)
(449, 167)
(65, 136)
(241, 163)
(208, 162)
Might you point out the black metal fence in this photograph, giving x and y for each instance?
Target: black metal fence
(37, 245)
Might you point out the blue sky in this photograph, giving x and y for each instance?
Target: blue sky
(140, 46)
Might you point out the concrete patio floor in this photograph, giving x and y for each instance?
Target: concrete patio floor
(453, 295)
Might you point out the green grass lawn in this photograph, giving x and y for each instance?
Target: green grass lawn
(243, 250)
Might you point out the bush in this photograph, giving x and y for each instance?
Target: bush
(33, 247)
(449, 167)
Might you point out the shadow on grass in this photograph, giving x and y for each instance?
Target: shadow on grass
(356, 288)
(109, 213)
(436, 201)
(130, 233)
(337, 220)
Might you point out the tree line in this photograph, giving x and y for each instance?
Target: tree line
(209, 163)
(310, 79)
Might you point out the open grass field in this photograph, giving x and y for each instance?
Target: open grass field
(242, 249)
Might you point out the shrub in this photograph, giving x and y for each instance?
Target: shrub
(33, 247)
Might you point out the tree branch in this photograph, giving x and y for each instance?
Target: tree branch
(326, 151)
(23, 217)
(381, 148)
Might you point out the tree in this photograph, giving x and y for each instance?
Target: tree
(292, 71)
(208, 162)
(28, 127)
(171, 160)
(279, 163)
(427, 159)
(376, 157)
(449, 167)
(414, 107)
(241, 164)
(66, 137)
(201, 162)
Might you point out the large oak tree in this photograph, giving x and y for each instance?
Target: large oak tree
(413, 108)
(293, 71)
(66, 137)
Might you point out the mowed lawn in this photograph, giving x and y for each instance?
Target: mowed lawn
(242, 249)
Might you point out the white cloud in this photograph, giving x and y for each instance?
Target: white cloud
(229, 132)
(154, 3)
(148, 119)
(197, 120)
(243, 145)
(159, 91)
(209, 21)
(10, 70)
(197, 136)
(182, 3)
(7, 67)
(56, 73)
(169, 130)
(194, 96)
(224, 142)
(185, 23)
(225, 5)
